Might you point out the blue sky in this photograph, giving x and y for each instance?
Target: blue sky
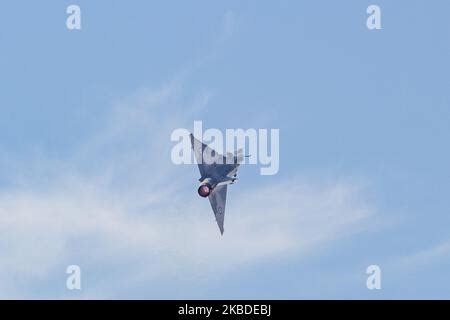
(85, 170)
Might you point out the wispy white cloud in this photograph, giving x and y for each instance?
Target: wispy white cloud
(424, 257)
(229, 24)
(168, 234)
(119, 203)
(131, 219)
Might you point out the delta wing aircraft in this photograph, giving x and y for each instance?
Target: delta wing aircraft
(216, 173)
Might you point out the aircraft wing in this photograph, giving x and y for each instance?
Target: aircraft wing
(214, 169)
(217, 198)
(206, 170)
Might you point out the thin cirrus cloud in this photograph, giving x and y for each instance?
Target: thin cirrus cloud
(127, 216)
(132, 221)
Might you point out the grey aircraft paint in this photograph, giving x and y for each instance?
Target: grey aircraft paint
(216, 172)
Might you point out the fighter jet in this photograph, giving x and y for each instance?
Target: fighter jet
(216, 173)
